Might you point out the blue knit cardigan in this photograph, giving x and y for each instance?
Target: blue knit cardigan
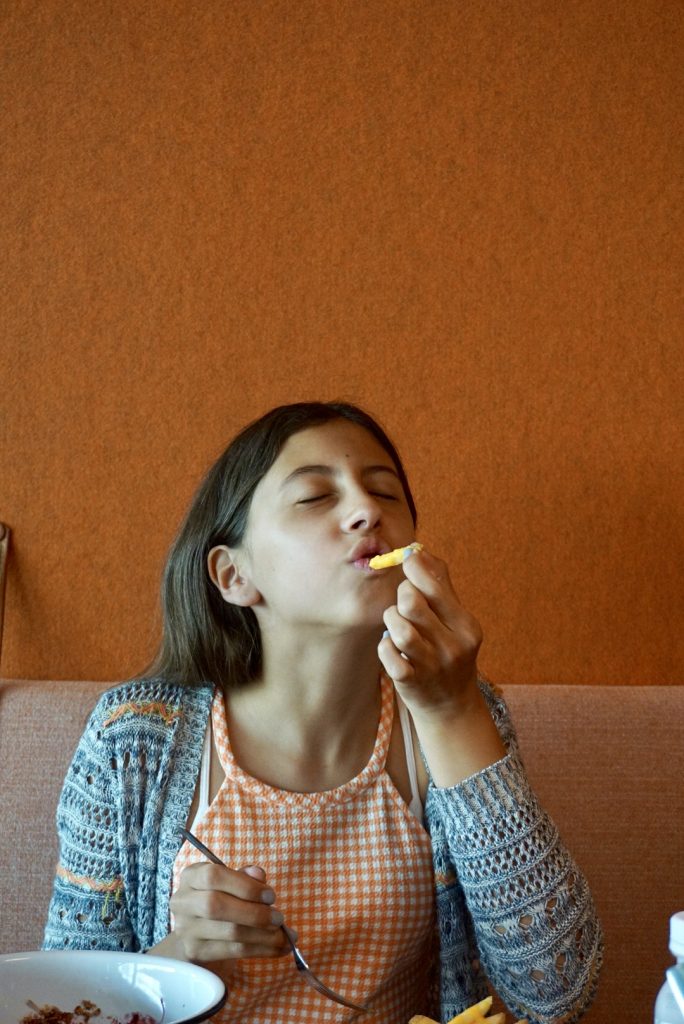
(512, 906)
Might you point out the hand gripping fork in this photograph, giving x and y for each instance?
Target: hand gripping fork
(302, 966)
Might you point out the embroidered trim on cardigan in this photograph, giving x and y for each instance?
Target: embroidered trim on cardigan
(166, 711)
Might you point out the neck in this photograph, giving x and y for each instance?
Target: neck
(321, 697)
(319, 681)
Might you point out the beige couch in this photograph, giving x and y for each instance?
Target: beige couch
(607, 763)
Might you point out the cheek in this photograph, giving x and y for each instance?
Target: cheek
(284, 560)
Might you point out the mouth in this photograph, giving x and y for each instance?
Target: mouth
(366, 550)
(362, 563)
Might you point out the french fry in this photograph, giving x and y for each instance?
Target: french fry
(395, 557)
(473, 1013)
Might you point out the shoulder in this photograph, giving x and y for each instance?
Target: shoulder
(153, 696)
(152, 707)
(144, 722)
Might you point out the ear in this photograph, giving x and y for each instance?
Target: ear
(224, 573)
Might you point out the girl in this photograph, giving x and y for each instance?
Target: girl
(364, 786)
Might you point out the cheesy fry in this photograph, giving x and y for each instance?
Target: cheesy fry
(395, 557)
(473, 1013)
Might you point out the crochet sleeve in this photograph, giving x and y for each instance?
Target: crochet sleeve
(529, 910)
(88, 908)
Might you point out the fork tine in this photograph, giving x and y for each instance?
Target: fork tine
(311, 979)
(325, 991)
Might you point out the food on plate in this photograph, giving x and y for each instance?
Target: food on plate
(472, 1015)
(395, 557)
(84, 1013)
(51, 1015)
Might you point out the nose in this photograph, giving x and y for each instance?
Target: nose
(362, 513)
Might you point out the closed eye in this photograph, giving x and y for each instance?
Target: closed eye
(309, 501)
(321, 497)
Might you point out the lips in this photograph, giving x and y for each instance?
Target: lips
(366, 549)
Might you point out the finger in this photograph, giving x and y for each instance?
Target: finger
(204, 930)
(431, 577)
(404, 641)
(213, 905)
(234, 951)
(206, 950)
(255, 872)
(206, 876)
(428, 572)
(398, 668)
(405, 635)
(413, 606)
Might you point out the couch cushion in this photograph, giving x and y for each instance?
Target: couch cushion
(40, 725)
(606, 762)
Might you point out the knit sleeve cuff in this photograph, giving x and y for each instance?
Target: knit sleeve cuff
(496, 802)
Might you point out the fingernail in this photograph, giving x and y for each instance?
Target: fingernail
(407, 553)
(268, 896)
(255, 872)
(277, 918)
(385, 634)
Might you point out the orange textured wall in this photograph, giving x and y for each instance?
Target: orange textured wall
(460, 215)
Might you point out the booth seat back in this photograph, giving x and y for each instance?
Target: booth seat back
(606, 762)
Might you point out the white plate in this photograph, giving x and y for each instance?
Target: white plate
(169, 991)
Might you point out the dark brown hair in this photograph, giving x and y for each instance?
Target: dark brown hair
(203, 637)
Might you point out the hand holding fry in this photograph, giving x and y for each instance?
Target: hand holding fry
(438, 638)
(430, 653)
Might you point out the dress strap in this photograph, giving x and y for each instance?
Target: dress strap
(205, 775)
(416, 805)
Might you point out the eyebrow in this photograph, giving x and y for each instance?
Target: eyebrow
(330, 472)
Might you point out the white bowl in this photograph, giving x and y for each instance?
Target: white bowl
(167, 990)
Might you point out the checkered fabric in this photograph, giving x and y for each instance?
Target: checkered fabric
(352, 870)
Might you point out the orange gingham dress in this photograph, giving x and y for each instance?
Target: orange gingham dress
(352, 871)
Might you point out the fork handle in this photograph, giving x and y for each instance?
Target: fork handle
(299, 959)
(194, 841)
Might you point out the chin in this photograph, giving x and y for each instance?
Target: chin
(366, 618)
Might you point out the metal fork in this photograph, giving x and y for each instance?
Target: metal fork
(305, 971)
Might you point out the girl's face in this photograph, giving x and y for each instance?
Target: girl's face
(330, 501)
